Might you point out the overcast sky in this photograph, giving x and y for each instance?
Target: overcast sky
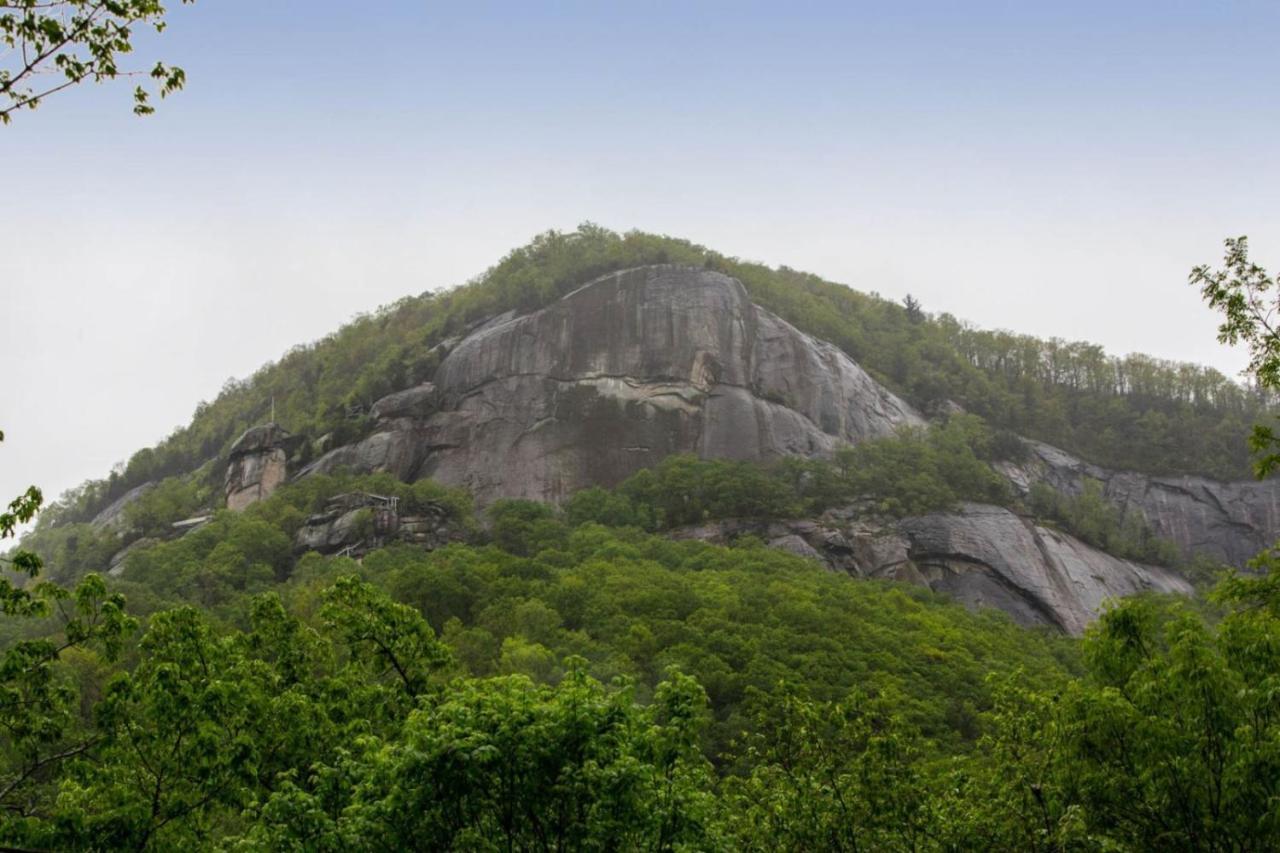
(1052, 168)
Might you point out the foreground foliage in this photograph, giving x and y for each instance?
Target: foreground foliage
(342, 722)
(580, 686)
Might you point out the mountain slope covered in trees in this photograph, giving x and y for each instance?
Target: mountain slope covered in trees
(595, 687)
(572, 678)
(1133, 413)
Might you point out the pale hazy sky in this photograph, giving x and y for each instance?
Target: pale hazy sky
(1049, 168)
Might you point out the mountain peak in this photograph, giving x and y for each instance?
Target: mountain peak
(618, 374)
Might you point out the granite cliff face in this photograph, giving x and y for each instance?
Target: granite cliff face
(113, 516)
(614, 377)
(1230, 522)
(644, 363)
(987, 556)
(981, 555)
(258, 465)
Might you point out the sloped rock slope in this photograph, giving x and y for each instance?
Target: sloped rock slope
(981, 555)
(1230, 522)
(614, 377)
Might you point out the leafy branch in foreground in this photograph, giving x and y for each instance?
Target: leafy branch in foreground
(47, 46)
(1245, 295)
(21, 509)
(38, 729)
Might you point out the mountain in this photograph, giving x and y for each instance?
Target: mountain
(615, 373)
(614, 377)
(645, 363)
(1133, 413)
(687, 548)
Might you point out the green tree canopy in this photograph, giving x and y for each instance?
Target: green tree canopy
(52, 45)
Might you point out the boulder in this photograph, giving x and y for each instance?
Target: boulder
(416, 402)
(260, 439)
(399, 450)
(794, 543)
(330, 533)
(339, 528)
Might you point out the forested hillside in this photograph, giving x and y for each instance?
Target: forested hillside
(570, 677)
(581, 686)
(1126, 413)
(625, 545)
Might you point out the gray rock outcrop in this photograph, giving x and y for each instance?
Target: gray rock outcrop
(1230, 522)
(416, 402)
(987, 556)
(358, 522)
(258, 465)
(614, 377)
(112, 516)
(981, 555)
(118, 561)
(648, 362)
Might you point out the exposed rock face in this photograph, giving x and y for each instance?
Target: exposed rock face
(986, 555)
(416, 402)
(981, 555)
(258, 465)
(358, 522)
(614, 377)
(1227, 521)
(644, 363)
(113, 515)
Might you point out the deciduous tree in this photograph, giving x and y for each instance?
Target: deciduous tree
(47, 46)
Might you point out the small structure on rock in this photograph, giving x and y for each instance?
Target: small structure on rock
(187, 525)
(259, 464)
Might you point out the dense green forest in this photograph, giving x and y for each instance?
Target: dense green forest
(572, 685)
(1133, 412)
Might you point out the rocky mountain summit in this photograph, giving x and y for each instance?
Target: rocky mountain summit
(614, 377)
(644, 363)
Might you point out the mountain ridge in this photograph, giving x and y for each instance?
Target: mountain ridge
(596, 380)
(1133, 413)
(667, 358)
(648, 363)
